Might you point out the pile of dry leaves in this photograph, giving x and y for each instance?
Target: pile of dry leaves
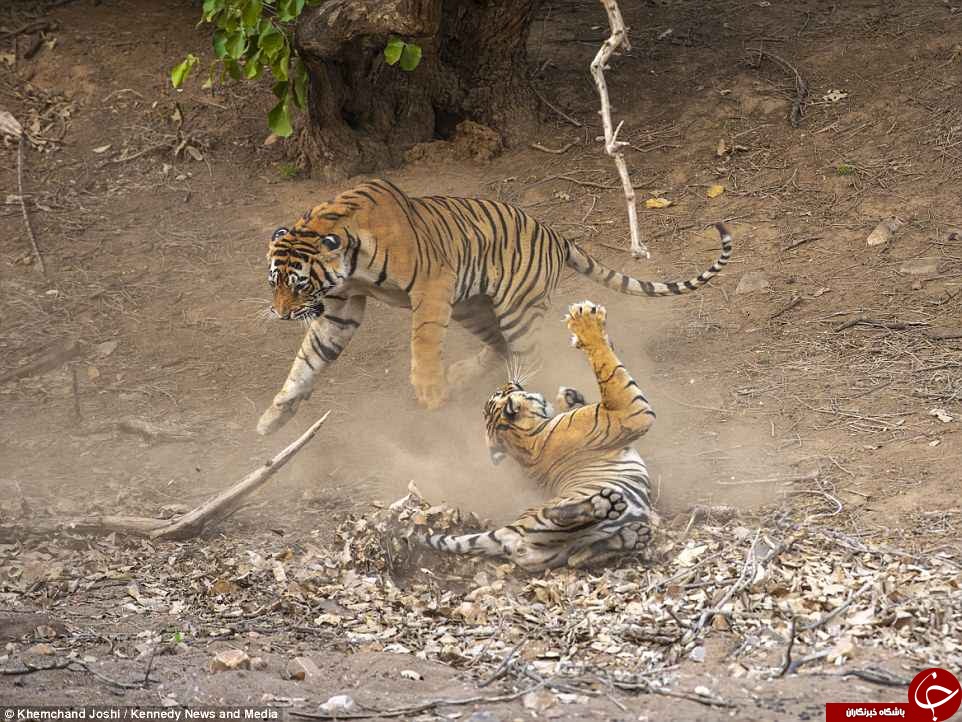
(787, 596)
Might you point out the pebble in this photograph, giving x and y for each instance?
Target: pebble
(230, 659)
(920, 266)
(751, 282)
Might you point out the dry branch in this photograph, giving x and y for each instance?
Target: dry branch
(54, 357)
(193, 522)
(613, 146)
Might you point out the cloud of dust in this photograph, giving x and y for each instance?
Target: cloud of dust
(688, 449)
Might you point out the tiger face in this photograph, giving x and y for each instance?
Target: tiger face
(307, 262)
(511, 416)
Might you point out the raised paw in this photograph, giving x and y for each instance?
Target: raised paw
(568, 398)
(609, 504)
(586, 321)
(277, 414)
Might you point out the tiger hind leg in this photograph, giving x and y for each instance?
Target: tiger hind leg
(476, 315)
(607, 504)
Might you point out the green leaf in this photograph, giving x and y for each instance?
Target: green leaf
(271, 41)
(279, 120)
(410, 56)
(300, 84)
(236, 45)
(253, 67)
(211, 8)
(252, 13)
(233, 69)
(393, 50)
(180, 71)
(285, 10)
(281, 64)
(280, 89)
(220, 44)
(298, 7)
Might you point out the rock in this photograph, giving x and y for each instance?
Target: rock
(411, 674)
(302, 668)
(920, 266)
(338, 704)
(230, 659)
(538, 701)
(258, 663)
(42, 648)
(484, 716)
(751, 282)
(884, 231)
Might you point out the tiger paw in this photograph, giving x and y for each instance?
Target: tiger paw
(431, 396)
(277, 414)
(586, 321)
(609, 504)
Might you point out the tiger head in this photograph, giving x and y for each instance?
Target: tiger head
(309, 261)
(511, 417)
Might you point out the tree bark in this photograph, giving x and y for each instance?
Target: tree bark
(364, 114)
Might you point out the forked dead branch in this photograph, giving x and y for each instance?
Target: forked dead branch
(613, 146)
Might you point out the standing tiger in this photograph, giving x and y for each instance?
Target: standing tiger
(485, 264)
(582, 456)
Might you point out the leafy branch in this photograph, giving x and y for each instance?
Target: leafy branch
(252, 36)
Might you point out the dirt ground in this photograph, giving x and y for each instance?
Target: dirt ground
(833, 394)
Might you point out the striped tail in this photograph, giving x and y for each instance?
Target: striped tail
(585, 264)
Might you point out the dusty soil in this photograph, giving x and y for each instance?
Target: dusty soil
(813, 396)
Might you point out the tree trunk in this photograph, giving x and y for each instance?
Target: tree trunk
(364, 114)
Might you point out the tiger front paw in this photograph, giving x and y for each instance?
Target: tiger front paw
(586, 321)
(431, 395)
(277, 414)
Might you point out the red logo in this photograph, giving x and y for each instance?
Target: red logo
(936, 692)
(934, 696)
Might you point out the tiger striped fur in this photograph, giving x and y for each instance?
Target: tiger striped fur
(486, 264)
(601, 506)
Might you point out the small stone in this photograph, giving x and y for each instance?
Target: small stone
(230, 659)
(302, 668)
(697, 654)
(703, 691)
(42, 648)
(751, 282)
(258, 663)
(411, 674)
(106, 348)
(538, 701)
(483, 716)
(920, 266)
(884, 231)
(338, 704)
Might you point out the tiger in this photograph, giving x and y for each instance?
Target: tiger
(485, 264)
(582, 454)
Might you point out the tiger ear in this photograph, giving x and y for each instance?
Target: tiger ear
(510, 409)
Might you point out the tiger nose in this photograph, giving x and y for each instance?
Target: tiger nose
(284, 316)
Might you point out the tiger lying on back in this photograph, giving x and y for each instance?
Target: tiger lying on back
(485, 264)
(582, 456)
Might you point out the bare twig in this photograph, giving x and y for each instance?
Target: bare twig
(23, 205)
(825, 619)
(613, 146)
(502, 668)
(787, 307)
(801, 87)
(418, 708)
(556, 109)
(787, 660)
(556, 151)
(877, 323)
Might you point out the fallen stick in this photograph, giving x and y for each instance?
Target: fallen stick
(53, 358)
(193, 522)
(801, 87)
(878, 323)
